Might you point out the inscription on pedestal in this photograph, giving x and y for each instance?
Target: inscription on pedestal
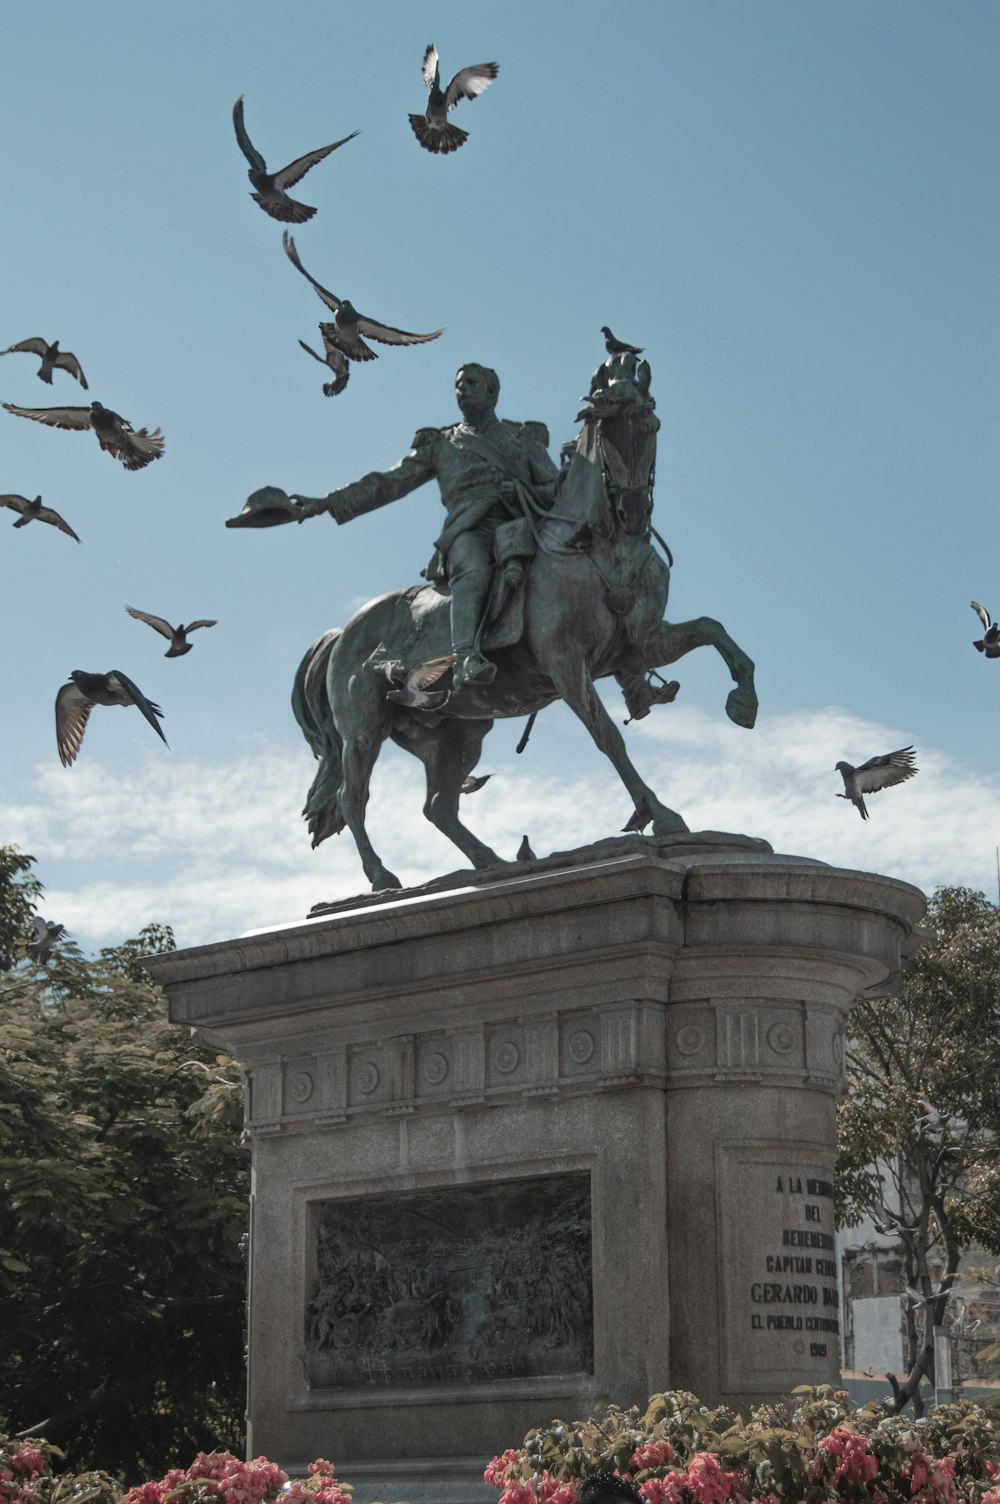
(457, 1285)
(780, 1271)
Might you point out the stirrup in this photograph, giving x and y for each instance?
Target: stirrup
(641, 695)
(473, 668)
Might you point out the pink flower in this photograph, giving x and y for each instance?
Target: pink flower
(651, 1454)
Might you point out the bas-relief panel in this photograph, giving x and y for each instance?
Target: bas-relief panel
(459, 1284)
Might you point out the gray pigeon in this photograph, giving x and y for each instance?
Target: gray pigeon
(349, 325)
(33, 511)
(177, 636)
(337, 362)
(413, 693)
(432, 128)
(989, 643)
(76, 700)
(618, 346)
(134, 447)
(45, 934)
(524, 851)
(271, 186)
(473, 785)
(874, 775)
(53, 359)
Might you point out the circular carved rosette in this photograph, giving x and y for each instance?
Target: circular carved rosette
(781, 1038)
(507, 1057)
(300, 1087)
(435, 1068)
(688, 1039)
(368, 1077)
(581, 1047)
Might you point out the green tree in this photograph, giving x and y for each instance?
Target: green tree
(123, 1210)
(19, 889)
(918, 1133)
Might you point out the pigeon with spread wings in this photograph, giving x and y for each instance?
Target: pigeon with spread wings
(432, 129)
(33, 511)
(349, 325)
(44, 936)
(134, 447)
(271, 186)
(415, 689)
(337, 362)
(177, 636)
(76, 700)
(874, 775)
(53, 359)
(989, 643)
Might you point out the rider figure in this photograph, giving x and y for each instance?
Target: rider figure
(476, 463)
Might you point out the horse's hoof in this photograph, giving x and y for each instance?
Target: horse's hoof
(741, 707)
(669, 824)
(384, 880)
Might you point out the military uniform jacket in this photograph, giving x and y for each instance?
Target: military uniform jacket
(470, 465)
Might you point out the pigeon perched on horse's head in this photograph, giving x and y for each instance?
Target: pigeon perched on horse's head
(53, 359)
(271, 186)
(618, 346)
(432, 129)
(134, 447)
(349, 325)
(874, 775)
(76, 700)
(33, 511)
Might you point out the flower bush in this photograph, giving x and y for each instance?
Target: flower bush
(26, 1477)
(818, 1451)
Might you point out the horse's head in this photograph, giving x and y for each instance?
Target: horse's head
(620, 415)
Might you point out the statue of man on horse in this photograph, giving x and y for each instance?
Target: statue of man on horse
(476, 463)
(552, 573)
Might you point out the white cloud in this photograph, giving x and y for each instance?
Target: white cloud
(216, 850)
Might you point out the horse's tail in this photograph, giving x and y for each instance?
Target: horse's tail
(311, 708)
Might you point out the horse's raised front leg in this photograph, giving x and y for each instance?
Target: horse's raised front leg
(673, 639)
(449, 752)
(576, 687)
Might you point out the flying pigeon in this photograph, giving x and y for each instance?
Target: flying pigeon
(33, 511)
(618, 346)
(431, 128)
(413, 691)
(76, 700)
(874, 775)
(524, 851)
(53, 359)
(39, 948)
(989, 643)
(336, 360)
(345, 333)
(135, 447)
(271, 186)
(177, 636)
(473, 785)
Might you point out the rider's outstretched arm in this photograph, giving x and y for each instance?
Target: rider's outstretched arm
(378, 488)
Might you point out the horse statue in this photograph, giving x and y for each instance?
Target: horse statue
(580, 596)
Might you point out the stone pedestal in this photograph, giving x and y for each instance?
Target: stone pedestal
(544, 1140)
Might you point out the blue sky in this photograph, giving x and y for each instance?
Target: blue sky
(792, 207)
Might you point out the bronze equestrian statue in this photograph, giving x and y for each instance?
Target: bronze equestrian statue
(542, 581)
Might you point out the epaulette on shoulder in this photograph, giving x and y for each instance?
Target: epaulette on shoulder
(426, 436)
(537, 431)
